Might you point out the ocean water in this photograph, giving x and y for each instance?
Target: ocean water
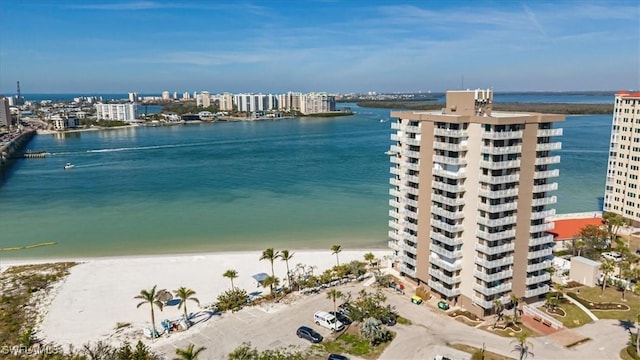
(291, 183)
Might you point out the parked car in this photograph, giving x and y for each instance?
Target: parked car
(305, 332)
(337, 357)
(612, 255)
(341, 317)
(327, 320)
(344, 309)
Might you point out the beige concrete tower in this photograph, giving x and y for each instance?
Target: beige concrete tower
(622, 192)
(470, 193)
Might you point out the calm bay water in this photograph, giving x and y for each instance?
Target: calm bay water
(296, 183)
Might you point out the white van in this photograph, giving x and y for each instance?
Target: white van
(327, 320)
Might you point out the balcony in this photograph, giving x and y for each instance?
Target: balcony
(453, 215)
(408, 201)
(457, 161)
(409, 213)
(460, 174)
(395, 125)
(450, 146)
(506, 274)
(394, 214)
(447, 187)
(494, 250)
(410, 166)
(410, 190)
(548, 160)
(497, 194)
(541, 227)
(538, 279)
(547, 239)
(450, 133)
(411, 154)
(502, 135)
(506, 234)
(486, 304)
(411, 141)
(544, 201)
(499, 179)
(488, 291)
(545, 187)
(438, 287)
(444, 252)
(500, 150)
(546, 174)
(409, 225)
(395, 170)
(549, 132)
(395, 148)
(393, 181)
(395, 193)
(393, 245)
(404, 246)
(445, 226)
(395, 137)
(490, 264)
(406, 270)
(451, 280)
(441, 263)
(498, 165)
(395, 204)
(408, 260)
(540, 253)
(395, 225)
(411, 129)
(536, 292)
(498, 208)
(455, 241)
(539, 266)
(395, 160)
(549, 146)
(543, 214)
(447, 200)
(414, 179)
(395, 235)
(507, 220)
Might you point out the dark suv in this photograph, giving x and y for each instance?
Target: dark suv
(308, 333)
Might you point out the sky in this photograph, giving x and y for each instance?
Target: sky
(271, 46)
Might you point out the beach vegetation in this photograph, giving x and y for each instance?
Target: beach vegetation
(606, 267)
(271, 282)
(368, 305)
(589, 242)
(185, 294)
(151, 297)
(479, 353)
(246, 351)
(231, 274)
(369, 258)
(351, 341)
(271, 255)
(336, 249)
(334, 295)
(373, 330)
(21, 290)
(189, 353)
(233, 300)
(286, 255)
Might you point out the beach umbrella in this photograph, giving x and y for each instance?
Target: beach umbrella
(164, 295)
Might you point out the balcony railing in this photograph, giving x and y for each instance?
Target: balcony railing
(538, 279)
(537, 292)
(506, 234)
(450, 133)
(499, 179)
(445, 226)
(549, 132)
(544, 201)
(497, 165)
(412, 178)
(408, 248)
(449, 266)
(547, 239)
(447, 200)
(541, 227)
(450, 146)
(409, 213)
(409, 260)
(460, 174)
(436, 286)
(543, 214)
(395, 125)
(497, 194)
(447, 187)
(393, 245)
(395, 137)
(548, 160)
(394, 214)
(406, 270)
(444, 252)
(539, 266)
(412, 154)
(410, 166)
(458, 161)
(492, 290)
(546, 174)
(409, 225)
(411, 141)
(395, 225)
(545, 187)
(410, 190)
(507, 220)
(498, 208)
(494, 250)
(395, 193)
(539, 253)
(490, 264)
(455, 241)
(453, 215)
(444, 277)
(505, 274)
(502, 135)
(499, 150)
(395, 170)
(486, 304)
(395, 235)
(395, 182)
(549, 146)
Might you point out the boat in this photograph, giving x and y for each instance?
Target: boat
(389, 152)
(69, 166)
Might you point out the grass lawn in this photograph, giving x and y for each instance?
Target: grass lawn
(574, 316)
(611, 295)
(488, 355)
(350, 342)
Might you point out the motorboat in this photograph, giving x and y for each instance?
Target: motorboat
(69, 166)
(389, 152)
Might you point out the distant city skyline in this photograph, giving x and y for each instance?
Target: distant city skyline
(323, 45)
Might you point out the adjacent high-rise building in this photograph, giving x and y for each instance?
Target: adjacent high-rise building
(471, 188)
(622, 193)
(5, 113)
(117, 112)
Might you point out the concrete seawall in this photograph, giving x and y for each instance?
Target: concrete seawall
(14, 147)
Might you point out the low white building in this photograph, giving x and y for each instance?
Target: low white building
(64, 123)
(117, 112)
(585, 271)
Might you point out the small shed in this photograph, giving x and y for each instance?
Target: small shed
(584, 271)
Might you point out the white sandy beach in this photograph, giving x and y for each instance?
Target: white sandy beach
(99, 292)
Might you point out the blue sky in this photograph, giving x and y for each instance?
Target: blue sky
(337, 46)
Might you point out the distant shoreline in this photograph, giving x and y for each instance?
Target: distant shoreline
(552, 108)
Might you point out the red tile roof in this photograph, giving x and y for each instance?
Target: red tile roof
(628, 94)
(567, 228)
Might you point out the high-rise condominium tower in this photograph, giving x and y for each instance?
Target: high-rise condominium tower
(471, 189)
(622, 193)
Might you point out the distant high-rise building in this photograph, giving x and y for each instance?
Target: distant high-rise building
(204, 99)
(622, 189)
(117, 112)
(165, 96)
(471, 189)
(133, 97)
(185, 95)
(175, 95)
(19, 97)
(5, 113)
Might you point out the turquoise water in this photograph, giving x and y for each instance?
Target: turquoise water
(296, 183)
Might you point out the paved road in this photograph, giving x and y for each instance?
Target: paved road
(274, 325)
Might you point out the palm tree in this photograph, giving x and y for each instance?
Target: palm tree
(185, 294)
(271, 281)
(231, 274)
(606, 267)
(285, 255)
(514, 302)
(335, 249)
(189, 353)
(497, 308)
(333, 295)
(522, 346)
(369, 257)
(580, 245)
(271, 255)
(150, 297)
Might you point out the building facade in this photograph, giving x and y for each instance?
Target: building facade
(117, 112)
(622, 193)
(315, 103)
(5, 113)
(471, 189)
